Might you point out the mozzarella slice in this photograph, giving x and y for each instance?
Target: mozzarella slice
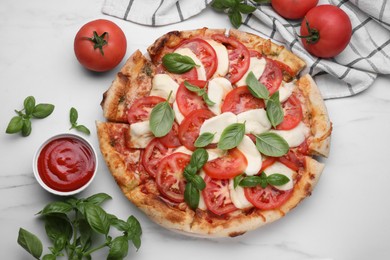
(217, 91)
(286, 90)
(295, 136)
(215, 153)
(237, 195)
(162, 85)
(183, 149)
(253, 156)
(140, 134)
(202, 204)
(217, 124)
(200, 68)
(222, 56)
(257, 66)
(280, 168)
(178, 115)
(256, 121)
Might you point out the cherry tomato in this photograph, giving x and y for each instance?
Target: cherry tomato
(141, 108)
(227, 166)
(188, 101)
(169, 179)
(326, 30)
(293, 9)
(217, 196)
(190, 127)
(272, 76)
(240, 100)
(268, 198)
(152, 156)
(171, 140)
(204, 52)
(100, 45)
(239, 57)
(292, 114)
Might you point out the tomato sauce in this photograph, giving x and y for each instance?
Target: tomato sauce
(66, 164)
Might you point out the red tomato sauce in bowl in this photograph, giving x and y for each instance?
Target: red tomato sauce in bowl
(66, 163)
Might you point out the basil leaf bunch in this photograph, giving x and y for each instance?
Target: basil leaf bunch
(195, 182)
(177, 63)
(274, 108)
(22, 122)
(234, 10)
(262, 180)
(161, 118)
(71, 226)
(73, 116)
(201, 92)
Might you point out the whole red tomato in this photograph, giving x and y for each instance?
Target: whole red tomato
(325, 31)
(100, 45)
(293, 9)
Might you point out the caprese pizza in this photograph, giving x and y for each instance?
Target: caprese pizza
(214, 134)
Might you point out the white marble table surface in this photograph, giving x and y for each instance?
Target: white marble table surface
(347, 216)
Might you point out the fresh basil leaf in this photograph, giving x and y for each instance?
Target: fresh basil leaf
(231, 136)
(49, 257)
(263, 180)
(73, 116)
(262, 1)
(98, 198)
(60, 243)
(277, 179)
(57, 226)
(119, 248)
(97, 218)
(250, 181)
(189, 171)
(230, 3)
(119, 224)
(161, 119)
(246, 9)
(191, 195)
(56, 207)
(204, 139)
(30, 243)
(199, 157)
(199, 91)
(207, 100)
(42, 110)
(218, 5)
(83, 129)
(257, 89)
(85, 234)
(26, 129)
(274, 110)
(237, 180)
(271, 144)
(134, 232)
(198, 182)
(15, 125)
(235, 18)
(177, 63)
(29, 104)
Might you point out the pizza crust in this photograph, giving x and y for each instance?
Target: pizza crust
(134, 80)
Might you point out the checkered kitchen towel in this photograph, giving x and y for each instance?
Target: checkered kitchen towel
(352, 71)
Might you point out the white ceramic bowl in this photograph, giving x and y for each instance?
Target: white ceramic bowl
(36, 170)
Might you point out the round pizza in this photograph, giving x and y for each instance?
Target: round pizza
(213, 133)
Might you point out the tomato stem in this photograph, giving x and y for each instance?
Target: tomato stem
(98, 41)
(313, 36)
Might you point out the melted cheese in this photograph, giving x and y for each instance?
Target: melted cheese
(256, 121)
(222, 56)
(217, 91)
(257, 66)
(280, 168)
(178, 115)
(295, 136)
(217, 124)
(237, 196)
(162, 85)
(183, 149)
(253, 156)
(202, 204)
(140, 134)
(286, 90)
(200, 68)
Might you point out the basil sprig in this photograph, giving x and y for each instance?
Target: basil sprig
(195, 182)
(231, 136)
(73, 224)
(204, 139)
(275, 179)
(271, 144)
(22, 122)
(177, 63)
(274, 108)
(201, 92)
(234, 9)
(73, 116)
(161, 118)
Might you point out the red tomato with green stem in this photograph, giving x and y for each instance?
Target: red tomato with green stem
(293, 9)
(100, 45)
(325, 31)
